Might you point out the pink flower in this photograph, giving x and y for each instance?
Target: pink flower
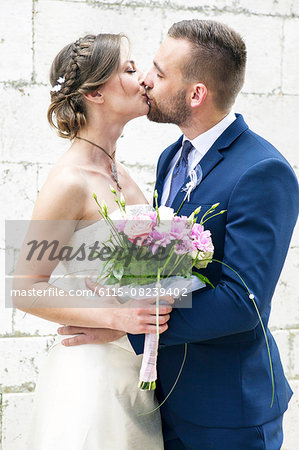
(197, 229)
(179, 228)
(120, 225)
(201, 239)
(183, 246)
(202, 246)
(159, 239)
(138, 228)
(153, 216)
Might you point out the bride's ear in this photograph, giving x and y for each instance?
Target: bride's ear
(95, 97)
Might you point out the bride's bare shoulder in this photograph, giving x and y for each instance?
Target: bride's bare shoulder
(69, 174)
(63, 194)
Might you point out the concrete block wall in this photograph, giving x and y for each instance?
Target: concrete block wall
(31, 33)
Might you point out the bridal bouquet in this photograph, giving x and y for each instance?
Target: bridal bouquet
(153, 253)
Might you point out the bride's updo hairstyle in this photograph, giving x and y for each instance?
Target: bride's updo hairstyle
(80, 67)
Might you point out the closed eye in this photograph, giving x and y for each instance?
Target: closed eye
(158, 70)
(131, 68)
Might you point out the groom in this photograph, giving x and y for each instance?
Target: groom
(222, 400)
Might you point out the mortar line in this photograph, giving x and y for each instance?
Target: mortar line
(207, 10)
(282, 54)
(1, 415)
(17, 84)
(33, 77)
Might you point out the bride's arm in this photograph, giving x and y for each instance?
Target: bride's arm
(56, 214)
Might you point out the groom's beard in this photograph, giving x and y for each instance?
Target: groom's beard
(171, 110)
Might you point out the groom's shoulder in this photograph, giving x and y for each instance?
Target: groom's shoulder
(254, 159)
(263, 148)
(259, 147)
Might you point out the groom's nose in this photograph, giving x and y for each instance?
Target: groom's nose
(148, 81)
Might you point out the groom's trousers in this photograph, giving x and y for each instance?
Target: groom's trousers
(268, 436)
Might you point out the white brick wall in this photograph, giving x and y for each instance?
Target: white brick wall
(290, 57)
(16, 420)
(15, 40)
(31, 33)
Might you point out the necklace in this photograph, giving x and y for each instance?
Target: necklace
(113, 166)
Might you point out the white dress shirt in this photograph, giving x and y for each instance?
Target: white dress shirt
(201, 144)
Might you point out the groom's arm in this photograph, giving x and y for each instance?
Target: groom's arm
(84, 335)
(262, 212)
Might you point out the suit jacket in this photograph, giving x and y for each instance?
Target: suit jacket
(226, 379)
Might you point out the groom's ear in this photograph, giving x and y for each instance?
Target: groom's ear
(94, 96)
(198, 95)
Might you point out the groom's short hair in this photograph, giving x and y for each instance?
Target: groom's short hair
(217, 58)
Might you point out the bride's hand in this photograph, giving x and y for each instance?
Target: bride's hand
(139, 316)
(135, 316)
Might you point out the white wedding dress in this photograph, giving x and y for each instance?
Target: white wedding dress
(87, 396)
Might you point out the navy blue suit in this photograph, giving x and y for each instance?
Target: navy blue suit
(226, 379)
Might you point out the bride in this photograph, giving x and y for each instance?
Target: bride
(87, 396)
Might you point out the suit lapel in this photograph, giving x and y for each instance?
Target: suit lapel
(207, 163)
(163, 165)
(213, 157)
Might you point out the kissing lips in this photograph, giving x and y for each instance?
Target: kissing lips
(148, 100)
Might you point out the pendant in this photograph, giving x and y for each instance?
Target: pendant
(115, 174)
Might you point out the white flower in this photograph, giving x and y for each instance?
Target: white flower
(203, 259)
(166, 213)
(191, 185)
(195, 179)
(56, 88)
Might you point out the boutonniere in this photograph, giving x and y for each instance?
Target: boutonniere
(195, 179)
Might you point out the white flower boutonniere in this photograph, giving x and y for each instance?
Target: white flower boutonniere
(195, 179)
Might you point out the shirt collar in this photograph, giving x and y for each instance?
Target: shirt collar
(204, 141)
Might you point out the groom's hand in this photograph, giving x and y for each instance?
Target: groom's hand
(88, 335)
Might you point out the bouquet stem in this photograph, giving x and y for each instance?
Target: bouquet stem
(147, 385)
(148, 371)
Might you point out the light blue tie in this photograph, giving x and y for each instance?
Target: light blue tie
(179, 173)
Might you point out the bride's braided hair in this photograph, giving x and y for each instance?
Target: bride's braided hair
(80, 67)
